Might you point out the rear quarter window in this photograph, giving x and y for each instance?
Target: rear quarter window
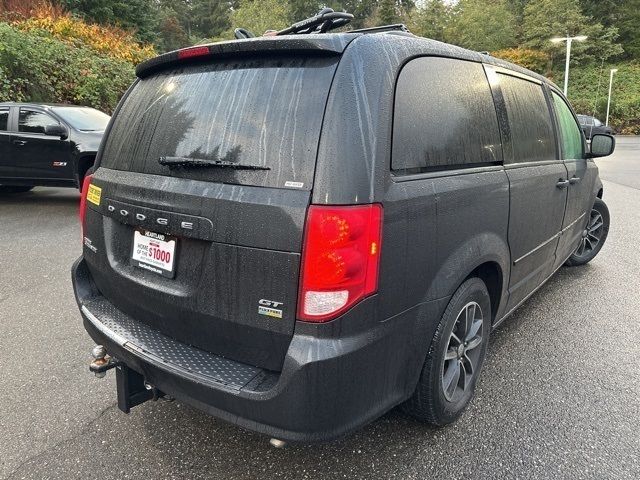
(444, 117)
(263, 112)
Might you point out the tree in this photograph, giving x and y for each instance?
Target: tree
(545, 19)
(172, 34)
(525, 57)
(482, 25)
(301, 9)
(388, 12)
(211, 18)
(259, 16)
(431, 20)
(138, 15)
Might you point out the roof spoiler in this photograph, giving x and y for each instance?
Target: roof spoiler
(326, 45)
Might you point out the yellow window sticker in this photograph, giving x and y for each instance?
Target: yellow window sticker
(93, 194)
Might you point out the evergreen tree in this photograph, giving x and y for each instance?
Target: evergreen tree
(388, 12)
(545, 19)
(211, 18)
(431, 20)
(258, 16)
(482, 25)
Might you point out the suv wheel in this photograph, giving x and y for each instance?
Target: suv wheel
(455, 357)
(593, 236)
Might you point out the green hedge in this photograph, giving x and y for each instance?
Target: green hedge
(34, 66)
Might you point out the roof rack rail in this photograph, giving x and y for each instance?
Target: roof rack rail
(397, 27)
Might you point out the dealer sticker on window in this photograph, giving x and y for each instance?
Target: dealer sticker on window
(154, 252)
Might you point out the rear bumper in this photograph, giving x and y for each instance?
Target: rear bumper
(330, 384)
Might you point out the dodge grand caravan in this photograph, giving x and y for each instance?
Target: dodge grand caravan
(298, 233)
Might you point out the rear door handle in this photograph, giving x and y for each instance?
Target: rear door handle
(563, 183)
(19, 142)
(573, 180)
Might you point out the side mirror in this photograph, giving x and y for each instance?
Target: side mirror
(56, 131)
(602, 145)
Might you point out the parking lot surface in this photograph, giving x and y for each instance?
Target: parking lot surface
(559, 396)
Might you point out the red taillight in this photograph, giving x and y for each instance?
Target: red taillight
(83, 201)
(193, 52)
(340, 259)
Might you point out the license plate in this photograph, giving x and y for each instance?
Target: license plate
(154, 252)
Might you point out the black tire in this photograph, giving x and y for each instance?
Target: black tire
(431, 402)
(14, 189)
(593, 237)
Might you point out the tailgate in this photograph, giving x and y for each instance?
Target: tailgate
(235, 277)
(229, 237)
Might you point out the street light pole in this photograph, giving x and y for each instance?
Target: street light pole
(568, 39)
(613, 70)
(566, 66)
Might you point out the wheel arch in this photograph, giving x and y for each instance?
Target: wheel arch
(83, 164)
(486, 256)
(493, 277)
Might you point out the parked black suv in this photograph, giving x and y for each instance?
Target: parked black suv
(47, 145)
(591, 126)
(298, 233)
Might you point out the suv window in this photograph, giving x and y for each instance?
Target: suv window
(4, 119)
(532, 135)
(444, 117)
(260, 112)
(570, 133)
(32, 121)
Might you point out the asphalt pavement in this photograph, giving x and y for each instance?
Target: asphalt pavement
(559, 396)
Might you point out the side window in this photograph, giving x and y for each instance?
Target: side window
(4, 120)
(444, 117)
(529, 120)
(597, 122)
(570, 135)
(31, 121)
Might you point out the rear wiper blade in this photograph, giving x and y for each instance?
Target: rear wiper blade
(202, 162)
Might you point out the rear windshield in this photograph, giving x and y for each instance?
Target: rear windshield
(263, 113)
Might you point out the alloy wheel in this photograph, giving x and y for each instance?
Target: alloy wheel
(462, 354)
(592, 235)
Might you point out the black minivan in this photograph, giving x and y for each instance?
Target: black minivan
(298, 233)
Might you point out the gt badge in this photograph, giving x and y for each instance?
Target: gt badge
(269, 308)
